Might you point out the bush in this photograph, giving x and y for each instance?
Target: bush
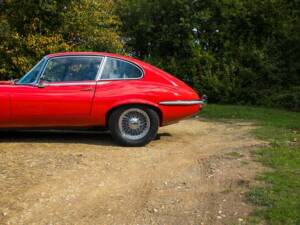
(287, 99)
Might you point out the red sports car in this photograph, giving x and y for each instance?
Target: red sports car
(88, 89)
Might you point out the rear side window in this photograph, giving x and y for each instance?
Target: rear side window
(115, 69)
(65, 69)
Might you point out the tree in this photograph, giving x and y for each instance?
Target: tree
(30, 29)
(236, 51)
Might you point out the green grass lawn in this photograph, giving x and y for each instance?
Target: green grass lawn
(278, 201)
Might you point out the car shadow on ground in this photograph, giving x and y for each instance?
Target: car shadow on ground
(65, 137)
(80, 137)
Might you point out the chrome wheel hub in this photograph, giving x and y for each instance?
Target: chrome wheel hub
(134, 124)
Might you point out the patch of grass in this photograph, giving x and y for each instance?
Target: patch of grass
(244, 163)
(235, 154)
(278, 201)
(277, 126)
(226, 191)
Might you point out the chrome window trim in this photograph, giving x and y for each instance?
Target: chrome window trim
(119, 79)
(98, 77)
(39, 74)
(183, 102)
(69, 56)
(75, 83)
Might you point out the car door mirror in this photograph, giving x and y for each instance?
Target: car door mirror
(14, 81)
(41, 84)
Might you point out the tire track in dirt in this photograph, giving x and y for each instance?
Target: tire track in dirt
(185, 177)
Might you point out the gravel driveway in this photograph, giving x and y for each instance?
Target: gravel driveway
(195, 173)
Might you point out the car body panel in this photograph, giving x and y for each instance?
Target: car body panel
(56, 104)
(4, 107)
(87, 103)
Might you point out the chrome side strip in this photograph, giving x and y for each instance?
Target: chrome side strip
(70, 84)
(103, 82)
(92, 83)
(193, 102)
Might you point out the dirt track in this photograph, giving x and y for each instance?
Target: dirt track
(196, 173)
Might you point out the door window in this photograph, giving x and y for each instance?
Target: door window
(115, 69)
(71, 68)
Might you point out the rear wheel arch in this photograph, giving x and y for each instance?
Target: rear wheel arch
(156, 109)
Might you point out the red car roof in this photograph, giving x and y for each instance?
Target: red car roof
(97, 53)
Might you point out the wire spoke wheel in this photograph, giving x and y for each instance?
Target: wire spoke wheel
(134, 124)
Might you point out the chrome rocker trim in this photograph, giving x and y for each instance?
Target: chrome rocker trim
(193, 102)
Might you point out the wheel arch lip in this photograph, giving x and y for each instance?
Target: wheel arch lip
(135, 102)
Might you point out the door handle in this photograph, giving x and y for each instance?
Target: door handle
(87, 89)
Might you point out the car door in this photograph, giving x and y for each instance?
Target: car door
(4, 105)
(62, 97)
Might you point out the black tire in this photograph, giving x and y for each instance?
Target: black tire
(149, 133)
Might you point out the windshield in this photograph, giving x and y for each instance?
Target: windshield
(32, 76)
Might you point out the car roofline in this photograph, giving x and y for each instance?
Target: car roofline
(104, 54)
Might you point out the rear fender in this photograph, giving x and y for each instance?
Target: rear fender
(156, 107)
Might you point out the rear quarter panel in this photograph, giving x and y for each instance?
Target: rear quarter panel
(112, 94)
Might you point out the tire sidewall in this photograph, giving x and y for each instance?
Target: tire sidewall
(116, 133)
